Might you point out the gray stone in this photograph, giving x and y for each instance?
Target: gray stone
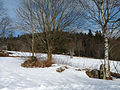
(95, 73)
(102, 67)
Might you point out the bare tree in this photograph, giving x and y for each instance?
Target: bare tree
(50, 17)
(31, 14)
(104, 14)
(2, 10)
(5, 26)
(1, 18)
(27, 23)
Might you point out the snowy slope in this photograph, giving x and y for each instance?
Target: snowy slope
(15, 77)
(80, 62)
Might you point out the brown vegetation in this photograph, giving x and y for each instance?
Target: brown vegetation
(78, 69)
(2, 54)
(34, 62)
(85, 69)
(96, 74)
(117, 75)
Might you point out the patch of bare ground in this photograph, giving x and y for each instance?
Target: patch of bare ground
(96, 74)
(116, 75)
(34, 62)
(85, 69)
(78, 69)
(3, 54)
(20, 56)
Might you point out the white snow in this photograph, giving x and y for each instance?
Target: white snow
(15, 77)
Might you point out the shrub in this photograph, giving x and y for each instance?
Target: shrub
(34, 62)
(3, 54)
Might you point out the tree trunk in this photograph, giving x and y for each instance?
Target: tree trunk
(49, 53)
(71, 52)
(106, 58)
(49, 56)
(33, 40)
(106, 46)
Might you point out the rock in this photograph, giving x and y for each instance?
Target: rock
(61, 69)
(93, 73)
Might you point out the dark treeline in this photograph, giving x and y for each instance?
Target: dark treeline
(81, 44)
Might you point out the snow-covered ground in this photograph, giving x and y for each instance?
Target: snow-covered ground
(15, 77)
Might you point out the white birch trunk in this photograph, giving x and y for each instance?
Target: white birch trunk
(107, 64)
(106, 45)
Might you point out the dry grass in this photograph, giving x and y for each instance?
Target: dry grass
(90, 74)
(34, 62)
(116, 75)
(78, 69)
(2, 54)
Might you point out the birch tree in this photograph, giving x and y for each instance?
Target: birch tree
(104, 14)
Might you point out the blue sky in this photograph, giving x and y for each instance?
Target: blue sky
(11, 6)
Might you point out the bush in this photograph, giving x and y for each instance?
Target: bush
(34, 62)
(3, 54)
